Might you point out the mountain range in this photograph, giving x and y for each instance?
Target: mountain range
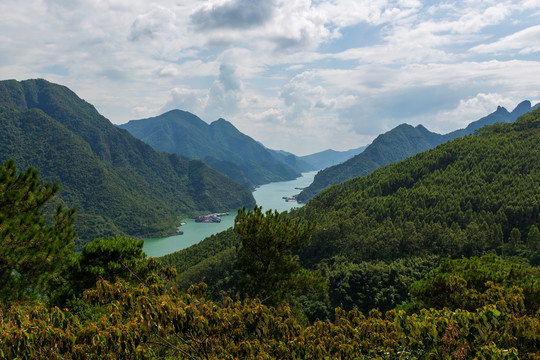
(220, 145)
(379, 233)
(117, 183)
(399, 143)
(327, 158)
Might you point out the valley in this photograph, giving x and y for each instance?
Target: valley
(269, 196)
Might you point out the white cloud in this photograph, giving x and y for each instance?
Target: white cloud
(524, 41)
(472, 109)
(186, 99)
(149, 25)
(298, 74)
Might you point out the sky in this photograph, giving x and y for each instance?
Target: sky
(297, 75)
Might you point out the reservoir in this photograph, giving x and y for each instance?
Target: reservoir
(269, 196)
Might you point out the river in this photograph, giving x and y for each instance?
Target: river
(269, 196)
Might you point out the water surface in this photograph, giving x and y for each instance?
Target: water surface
(269, 196)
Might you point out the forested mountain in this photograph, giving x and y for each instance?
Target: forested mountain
(117, 183)
(375, 239)
(219, 144)
(379, 233)
(398, 144)
(327, 158)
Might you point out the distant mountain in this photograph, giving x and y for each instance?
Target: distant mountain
(117, 183)
(399, 143)
(219, 144)
(327, 158)
(296, 162)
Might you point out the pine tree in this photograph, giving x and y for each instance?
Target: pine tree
(30, 249)
(267, 256)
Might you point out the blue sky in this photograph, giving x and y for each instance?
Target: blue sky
(297, 75)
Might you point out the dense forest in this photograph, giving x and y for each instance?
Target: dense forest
(435, 257)
(399, 143)
(117, 183)
(219, 144)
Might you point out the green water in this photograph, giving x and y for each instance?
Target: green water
(268, 196)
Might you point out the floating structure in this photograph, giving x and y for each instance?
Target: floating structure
(210, 218)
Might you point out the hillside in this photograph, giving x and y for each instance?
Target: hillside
(379, 233)
(460, 198)
(465, 197)
(219, 144)
(398, 144)
(327, 158)
(117, 183)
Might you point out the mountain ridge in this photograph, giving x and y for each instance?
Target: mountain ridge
(119, 184)
(219, 144)
(398, 144)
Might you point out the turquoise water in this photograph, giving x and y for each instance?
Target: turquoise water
(268, 196)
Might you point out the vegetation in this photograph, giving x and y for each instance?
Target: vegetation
(118, 184)
(379, 234)
(266, 256)
(398, 144)
(375, 238)
(30, 249)
(474, 195)
(151, 320)
(219, 144)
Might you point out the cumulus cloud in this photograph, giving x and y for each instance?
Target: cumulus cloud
(301, 98)
(472, 109)
(148, 25)
(235, 14)
(319, 68)
(225, 94)
(186, 99)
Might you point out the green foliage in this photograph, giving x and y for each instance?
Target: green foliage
(152, 320)
(118, 184)
(113, 259)
(31, 251)
(219, 144)
(374, 285)
(390, 147)
(267, 256)
(397, 144)
(472, 283)
(463, 198)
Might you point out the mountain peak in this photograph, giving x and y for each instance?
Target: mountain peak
(522, 108)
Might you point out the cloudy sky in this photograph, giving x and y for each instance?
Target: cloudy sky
(297, 75)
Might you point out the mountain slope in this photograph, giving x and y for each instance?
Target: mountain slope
(219, 144)
(399, 143)
(462, 198)
(118, 184)
(327, 158)
(379, 233)
(392, 146)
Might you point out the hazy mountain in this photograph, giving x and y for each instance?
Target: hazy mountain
(327, 158)
(118, 184)
(399, 143)
(296, 162)
(219, 144)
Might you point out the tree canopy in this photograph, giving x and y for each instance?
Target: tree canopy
(31, 250)
(266, 255)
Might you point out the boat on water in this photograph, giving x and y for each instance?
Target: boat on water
(210, 218)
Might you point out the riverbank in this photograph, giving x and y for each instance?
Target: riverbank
(269, 196)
